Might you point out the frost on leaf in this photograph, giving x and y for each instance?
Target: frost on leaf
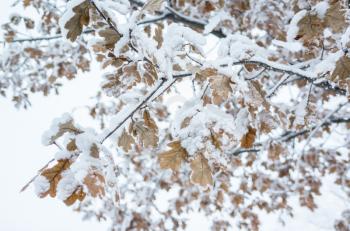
(201, 172)
(173, 158)
(81, 18)
(248, 139)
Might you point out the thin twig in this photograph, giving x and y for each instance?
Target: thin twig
(39, 171)
(44, 38)
(317, 127)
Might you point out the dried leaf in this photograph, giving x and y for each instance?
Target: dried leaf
(342, 69)
(150, 74)
(147, 131)
(248, 139)
(95, 183)
(204, 74)
(158, 35)
(33, 52)
(26, 2)
(53, 175)
(173, 158)
(256, 95)
(275, 150)
(67, 127)
(111, 37)
(81, 18)
(215, 140)
(78, 194)
(335, 17)
(126, 141)
(72, 146)
(186, 122)
(201, 173)
(310, 27)
(94, 151)
(221, 88)
(152, 6)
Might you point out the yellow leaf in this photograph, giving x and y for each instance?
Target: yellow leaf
(173, 158)
(81, 18)
(201, 173)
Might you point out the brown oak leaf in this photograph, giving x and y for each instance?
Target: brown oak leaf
(248, 139)
(95, 183)
(173, 158)
(53, 175)
(81, 18)
(201, 172)
(126, 141)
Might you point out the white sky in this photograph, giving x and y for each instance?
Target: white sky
(22, 154)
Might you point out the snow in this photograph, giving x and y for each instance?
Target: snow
(41, 185)
(67, 185)
(293, 28)
(290, 46)
(47, 136)
(321, 8)
(215, 20)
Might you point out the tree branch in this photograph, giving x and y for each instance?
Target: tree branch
(46, 38)
(287, 136)
(286, 69)
(144, 101)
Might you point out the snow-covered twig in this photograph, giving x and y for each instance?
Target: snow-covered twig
(287, 136)
(317, 127)
(143, 102)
